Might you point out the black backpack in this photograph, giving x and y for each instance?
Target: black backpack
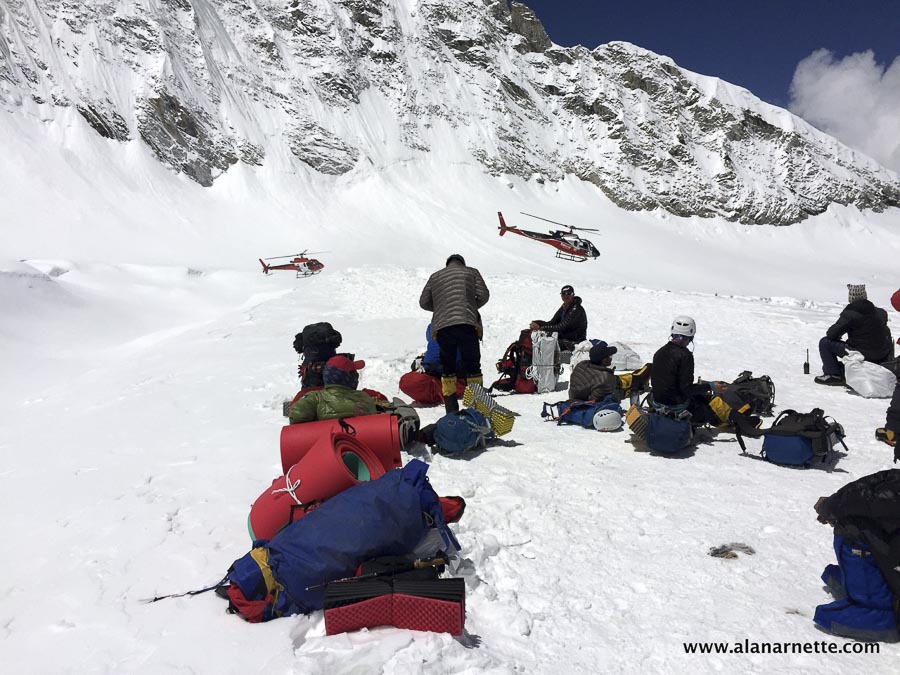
(757, 392)
(317, 342)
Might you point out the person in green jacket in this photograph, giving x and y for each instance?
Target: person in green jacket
(339, 398)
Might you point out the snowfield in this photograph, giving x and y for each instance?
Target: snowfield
(145, 360)
(140, 417)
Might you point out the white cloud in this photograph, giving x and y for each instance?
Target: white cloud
(855, 99)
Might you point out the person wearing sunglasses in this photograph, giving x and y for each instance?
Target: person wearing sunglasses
(569, 323)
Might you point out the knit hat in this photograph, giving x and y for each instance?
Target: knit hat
(856, 292)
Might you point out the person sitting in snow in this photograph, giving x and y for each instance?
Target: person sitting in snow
(673, 382)
(865, 326)
(339, 398)
(594, 379)
(569, 322)
(865, 515)
(888, 433)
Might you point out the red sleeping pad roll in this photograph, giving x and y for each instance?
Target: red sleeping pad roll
(336, 462)
(380, 433)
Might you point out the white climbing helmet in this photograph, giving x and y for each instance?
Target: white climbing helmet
(607, 420)
(684, 325)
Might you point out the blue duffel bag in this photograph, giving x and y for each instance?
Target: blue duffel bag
(580, 413)
(667, 434)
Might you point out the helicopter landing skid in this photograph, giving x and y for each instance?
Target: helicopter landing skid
(569, 256)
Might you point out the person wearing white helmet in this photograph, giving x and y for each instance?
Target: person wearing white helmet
(673, 376)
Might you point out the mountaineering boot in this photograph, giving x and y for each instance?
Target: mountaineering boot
(448, 391)
(722, 410)
(448, 385)
(451, 404)
(830, 380)
(886, 436)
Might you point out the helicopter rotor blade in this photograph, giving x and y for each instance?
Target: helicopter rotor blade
(296, 255)
(571, 227)
(546, 220)
(281, 257)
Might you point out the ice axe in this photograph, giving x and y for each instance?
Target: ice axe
(421, 564)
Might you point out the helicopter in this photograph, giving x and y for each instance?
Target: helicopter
(305, 267)
(568, 245)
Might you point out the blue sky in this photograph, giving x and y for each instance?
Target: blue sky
(754, 44)
(835, 63)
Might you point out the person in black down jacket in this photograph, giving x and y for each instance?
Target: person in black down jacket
(865, 326)
(454, 295)
(673, 376)
(594, 379)
(569, 322)
(866, 519)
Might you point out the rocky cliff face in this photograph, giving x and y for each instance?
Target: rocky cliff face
(331, 85)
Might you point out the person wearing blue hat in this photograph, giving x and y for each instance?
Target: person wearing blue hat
(594, 379)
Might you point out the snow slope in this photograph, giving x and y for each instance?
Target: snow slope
(140, 414)
(145, 359)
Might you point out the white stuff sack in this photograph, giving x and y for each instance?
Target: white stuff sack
(625, 357)
(867, 379)
(544, 359)
(581, 352)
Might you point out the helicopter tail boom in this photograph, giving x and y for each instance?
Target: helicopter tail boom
(503, 227)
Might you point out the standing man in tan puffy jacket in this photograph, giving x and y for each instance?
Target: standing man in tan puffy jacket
(455, 294)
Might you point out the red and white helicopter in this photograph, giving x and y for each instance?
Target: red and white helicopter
(304, 266)
(568, 245)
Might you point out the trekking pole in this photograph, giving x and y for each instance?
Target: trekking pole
(186, 594)
(414, 565)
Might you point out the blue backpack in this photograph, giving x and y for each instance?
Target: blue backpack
(668, 434)
(579, 412)
(797, 439)
(465, 430)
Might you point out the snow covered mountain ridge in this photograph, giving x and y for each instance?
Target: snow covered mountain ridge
(330, 86)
